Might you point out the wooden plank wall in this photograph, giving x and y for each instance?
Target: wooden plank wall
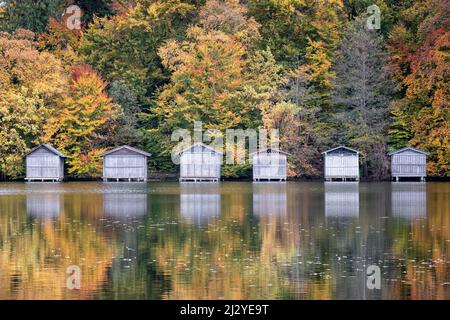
(408, 164)
(125, 166)
(341, 166)
(269, 166)
(43, 164)
(202, 164)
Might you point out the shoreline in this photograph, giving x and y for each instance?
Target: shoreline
(175, 179)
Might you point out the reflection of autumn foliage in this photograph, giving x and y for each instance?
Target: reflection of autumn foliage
(425, 243)
(213, 265)
(241, 255)
(34, 257)
(264, 244)
(292, 253)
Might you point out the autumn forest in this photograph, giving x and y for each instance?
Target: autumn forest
(134, 71)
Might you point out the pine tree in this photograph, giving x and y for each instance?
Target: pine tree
(362, 90)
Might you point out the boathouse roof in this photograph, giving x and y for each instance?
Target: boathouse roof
(127, 148)
(270, 150)
(49, 148)
(341, 147)
(408, 149)
(197, 144)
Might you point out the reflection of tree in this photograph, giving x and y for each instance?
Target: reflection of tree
(135, 274)
(338, 241)
(239, 255)
(286, 248)
(288, 251)
(423, 243)
(215, 261)
(35, 253)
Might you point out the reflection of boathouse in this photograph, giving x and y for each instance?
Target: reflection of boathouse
(199, 203)
(341, 199)
(269, 199)
(124, 205)
(409, 200)
(44, 205)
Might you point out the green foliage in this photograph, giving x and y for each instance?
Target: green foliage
(160, 146)
(287, 25)
(124, 47)
(389, 10)
(30, 14)
(127, 121)
(95, 8)
(237, 171)
(399, 134)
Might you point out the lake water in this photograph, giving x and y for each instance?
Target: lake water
(233, 240)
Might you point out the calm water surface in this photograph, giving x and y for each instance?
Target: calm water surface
(236, 240)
